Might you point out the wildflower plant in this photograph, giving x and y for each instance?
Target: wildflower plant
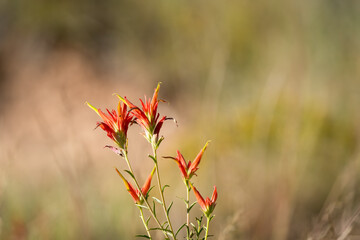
(116, 124)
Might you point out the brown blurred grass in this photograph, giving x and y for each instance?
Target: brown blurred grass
(275, 86)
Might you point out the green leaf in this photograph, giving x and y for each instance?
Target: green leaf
(148, 193)
(153, 158)
(158, 142)
(199, 220)
(130, 173)
(163, 225)
(168, 210)
(143, 236)
(163, 188)
(154, 208)
(161, 229)
(182, 226)
(157, 200)
(191, 206)
(142, 206)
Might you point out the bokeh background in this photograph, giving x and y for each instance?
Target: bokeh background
(274, 84)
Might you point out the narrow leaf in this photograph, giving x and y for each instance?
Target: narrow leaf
(164, 224)
(163, 188)
(157, 200)
(153, 158)
(161, 229)
(159, 141)
(142, 206)
(182, 226)
(154, 208)
(130, 173)
(168, 210)
(150, 190)
(143, 236)
(191, 206)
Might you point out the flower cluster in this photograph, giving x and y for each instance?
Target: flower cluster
(188, 171)
(116, 125)
(147, 116)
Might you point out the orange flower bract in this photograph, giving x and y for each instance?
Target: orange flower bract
(147, 116)
(115, 124)
(189, 169)
(208, 204)
(135, 194)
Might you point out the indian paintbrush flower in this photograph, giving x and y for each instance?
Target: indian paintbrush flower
(115, 124)
(189, 169)
(135, 193)
(207, 205)
(147, 116)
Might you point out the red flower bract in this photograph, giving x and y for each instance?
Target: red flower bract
(135, 194)
(208, 204)
(115, 124)
(147, 116)
(189, 169)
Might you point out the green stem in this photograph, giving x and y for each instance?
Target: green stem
(187, 212)
(144, 222)
(161, 192)
(207, 227)
(141, 194)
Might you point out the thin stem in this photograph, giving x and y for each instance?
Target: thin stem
(141, 194)
(144, 222)
(187, 212)
(161, 192)
(207, 227)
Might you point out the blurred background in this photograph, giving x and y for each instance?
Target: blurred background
(274, 85)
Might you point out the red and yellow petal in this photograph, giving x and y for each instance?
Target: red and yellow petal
(199, 199)
(196, 162)
(147, 184)
(129, 188)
